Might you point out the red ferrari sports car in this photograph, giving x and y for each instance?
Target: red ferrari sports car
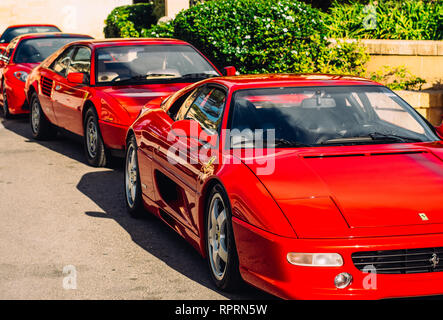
(96, 89)
(22, 55)
(17, 30)
(306, 186)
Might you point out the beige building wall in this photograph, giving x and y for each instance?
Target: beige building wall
(79, 16)
(172, 7)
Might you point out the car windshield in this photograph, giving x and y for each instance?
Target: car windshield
(38, 49)
(147, 63)
(11, 33)
(324, 116)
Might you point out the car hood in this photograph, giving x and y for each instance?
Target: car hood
(134, 97)
(387, 186)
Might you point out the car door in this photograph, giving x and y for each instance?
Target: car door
(68, 98)
(183, 172)
(48, 78)
(149, 142)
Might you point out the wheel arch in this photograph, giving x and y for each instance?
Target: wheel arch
(33, 88)
(129, 134)
(86, 106)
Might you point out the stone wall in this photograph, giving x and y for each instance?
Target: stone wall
(423, 59)
(79, 16)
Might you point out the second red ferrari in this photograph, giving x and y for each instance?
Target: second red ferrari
(96, 89)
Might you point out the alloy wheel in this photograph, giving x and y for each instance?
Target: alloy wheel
(5, 102)
(217, 236)
(131, 176)
(91, 137)
(35, 116)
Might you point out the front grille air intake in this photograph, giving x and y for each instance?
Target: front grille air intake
(404, 261)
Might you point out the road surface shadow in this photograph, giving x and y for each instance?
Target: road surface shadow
(65, 143)
(106, 190)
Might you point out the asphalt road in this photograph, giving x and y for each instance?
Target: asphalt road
(58, 214)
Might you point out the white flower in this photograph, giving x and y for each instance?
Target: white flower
(285, 30)
(248, 37)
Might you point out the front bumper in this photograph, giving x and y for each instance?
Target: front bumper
(263, 264)
(114, 135)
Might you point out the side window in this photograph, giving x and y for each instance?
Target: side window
(185, 103)
(61, 64)
(81, 62)
(208, 108)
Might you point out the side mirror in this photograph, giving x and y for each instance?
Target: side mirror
(76, 77)
(230, 71)
(193, 130)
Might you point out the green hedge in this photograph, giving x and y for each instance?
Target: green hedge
(406, 20)
(130, 21)
(259, 36)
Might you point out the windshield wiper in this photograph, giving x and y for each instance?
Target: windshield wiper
(144, 77)
(134, 78)
(274, 143)
(387, 136)
(371, 137)
(160, 75)
(199, 75)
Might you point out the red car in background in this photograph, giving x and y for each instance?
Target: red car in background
(22, 55)
(306, 186)
(97, 88)
(17, 30)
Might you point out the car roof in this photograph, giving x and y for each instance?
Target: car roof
(130, 41)
(288, 79)
(31, 25)
(51, 35)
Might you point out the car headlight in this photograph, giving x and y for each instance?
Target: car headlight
(21, 75)
(315, 259)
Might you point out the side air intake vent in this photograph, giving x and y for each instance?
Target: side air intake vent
(46, 85)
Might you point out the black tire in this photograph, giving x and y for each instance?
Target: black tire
(133, 200)
(230, 279)
(95, 149)
(41, 128)
(5, 108)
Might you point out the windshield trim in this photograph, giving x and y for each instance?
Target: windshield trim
(149, 81)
